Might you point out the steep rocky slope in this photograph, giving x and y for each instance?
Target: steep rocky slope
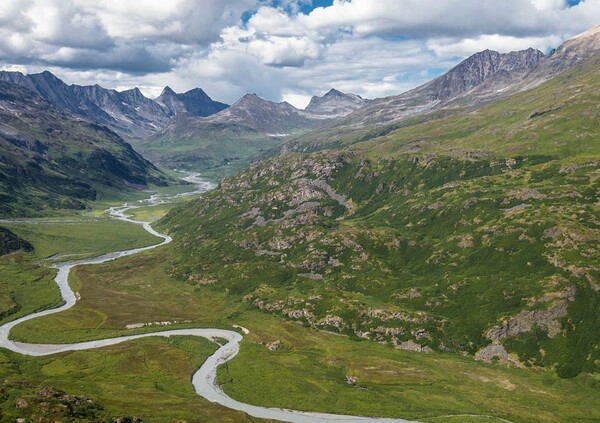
(194, 102)
(475, 233)
(9, 242)
(265, 116)
(52, 159)
(485, 77)
(129, 113)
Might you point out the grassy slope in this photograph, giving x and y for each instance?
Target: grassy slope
(567, 125)
(450, 227)
(502, 128)
(214, 149)
(413, 221)
(81, 237)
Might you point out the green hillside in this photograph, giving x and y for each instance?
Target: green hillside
(216, 149)
(473, 232)
(53, 160)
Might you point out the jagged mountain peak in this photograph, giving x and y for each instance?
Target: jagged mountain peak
(333, 91)
(167, 91)
(194, 102)
(135, 93)
(250, 97)
(478, 68)
(335, 103)
(48, 74)
(195, 91)
(253, 100)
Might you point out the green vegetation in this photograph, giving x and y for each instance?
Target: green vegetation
(557, 119)
(78, 238)
(474, 233)
(51, 160)
(420, 256)
(214, 149)
(9, 242)
(393, 383)
(309, 370)
(147, 379)
(469, 237)
(25, 287)
(124, 292)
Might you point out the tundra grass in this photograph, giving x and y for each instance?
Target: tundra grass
(25, 287)
(147, 378)
(309, 371)
(78, 238)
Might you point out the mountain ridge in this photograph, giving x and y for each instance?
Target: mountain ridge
(229, 140)
(467, 233)
(129, 113)
(51, 159)
(335, 103)
(482, 78)
(194, 102)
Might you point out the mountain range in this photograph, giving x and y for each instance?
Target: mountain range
(484, 77)
(128, 113)
(227, 141)
(191, 131)
(459, 219)
(252, 128)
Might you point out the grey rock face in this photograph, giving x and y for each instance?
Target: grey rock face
(570, 53)
(265, 116)
(335, 104)
(128, 113)
(483, 77)
(194, 102)
(478, 68)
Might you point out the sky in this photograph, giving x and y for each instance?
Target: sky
(279, 49)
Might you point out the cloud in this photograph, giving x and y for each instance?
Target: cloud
(549, 4)
(279, 49)
(456, 47)
(430, 18)
(61, 24)
(181, 21)
(111, 34)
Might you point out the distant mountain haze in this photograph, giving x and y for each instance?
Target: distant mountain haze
(229, 140)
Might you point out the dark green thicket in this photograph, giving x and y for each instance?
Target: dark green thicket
(9, 242)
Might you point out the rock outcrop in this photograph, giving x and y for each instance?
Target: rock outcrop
(335, 104)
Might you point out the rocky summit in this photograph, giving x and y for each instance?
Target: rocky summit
(129, 113)
(335, 104)
(194, 102)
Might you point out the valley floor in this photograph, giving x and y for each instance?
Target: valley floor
(280, 364)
